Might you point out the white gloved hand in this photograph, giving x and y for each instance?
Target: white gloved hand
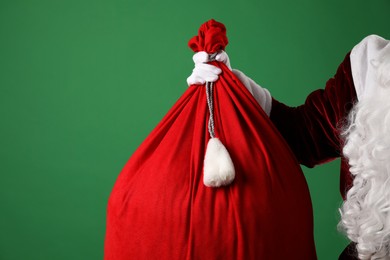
(203, 73)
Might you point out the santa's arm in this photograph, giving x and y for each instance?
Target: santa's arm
(313, 129)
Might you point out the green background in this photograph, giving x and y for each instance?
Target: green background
(83, 82)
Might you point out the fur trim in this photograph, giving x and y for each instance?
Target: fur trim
(363, 58)
(218, 166)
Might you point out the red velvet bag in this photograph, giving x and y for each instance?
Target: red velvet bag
(160, 208)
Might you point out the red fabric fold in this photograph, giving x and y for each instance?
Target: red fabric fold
(211, 38)
(159, 207)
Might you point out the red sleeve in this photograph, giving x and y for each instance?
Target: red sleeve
(313, 129)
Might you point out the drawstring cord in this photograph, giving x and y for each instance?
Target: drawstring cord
(210, 102)
(218, 167)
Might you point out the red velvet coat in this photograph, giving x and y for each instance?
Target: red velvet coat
(313, 129)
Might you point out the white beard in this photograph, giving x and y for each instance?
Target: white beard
(365, 215)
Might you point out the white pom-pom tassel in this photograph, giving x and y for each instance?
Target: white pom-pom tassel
(218, 166)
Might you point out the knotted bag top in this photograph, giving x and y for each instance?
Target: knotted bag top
(211, 38)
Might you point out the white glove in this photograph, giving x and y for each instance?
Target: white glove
(224, 58)
(262, 95)
(203, 73)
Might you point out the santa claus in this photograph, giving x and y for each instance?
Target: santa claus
(349, 118)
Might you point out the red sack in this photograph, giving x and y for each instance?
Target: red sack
(160, 208)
